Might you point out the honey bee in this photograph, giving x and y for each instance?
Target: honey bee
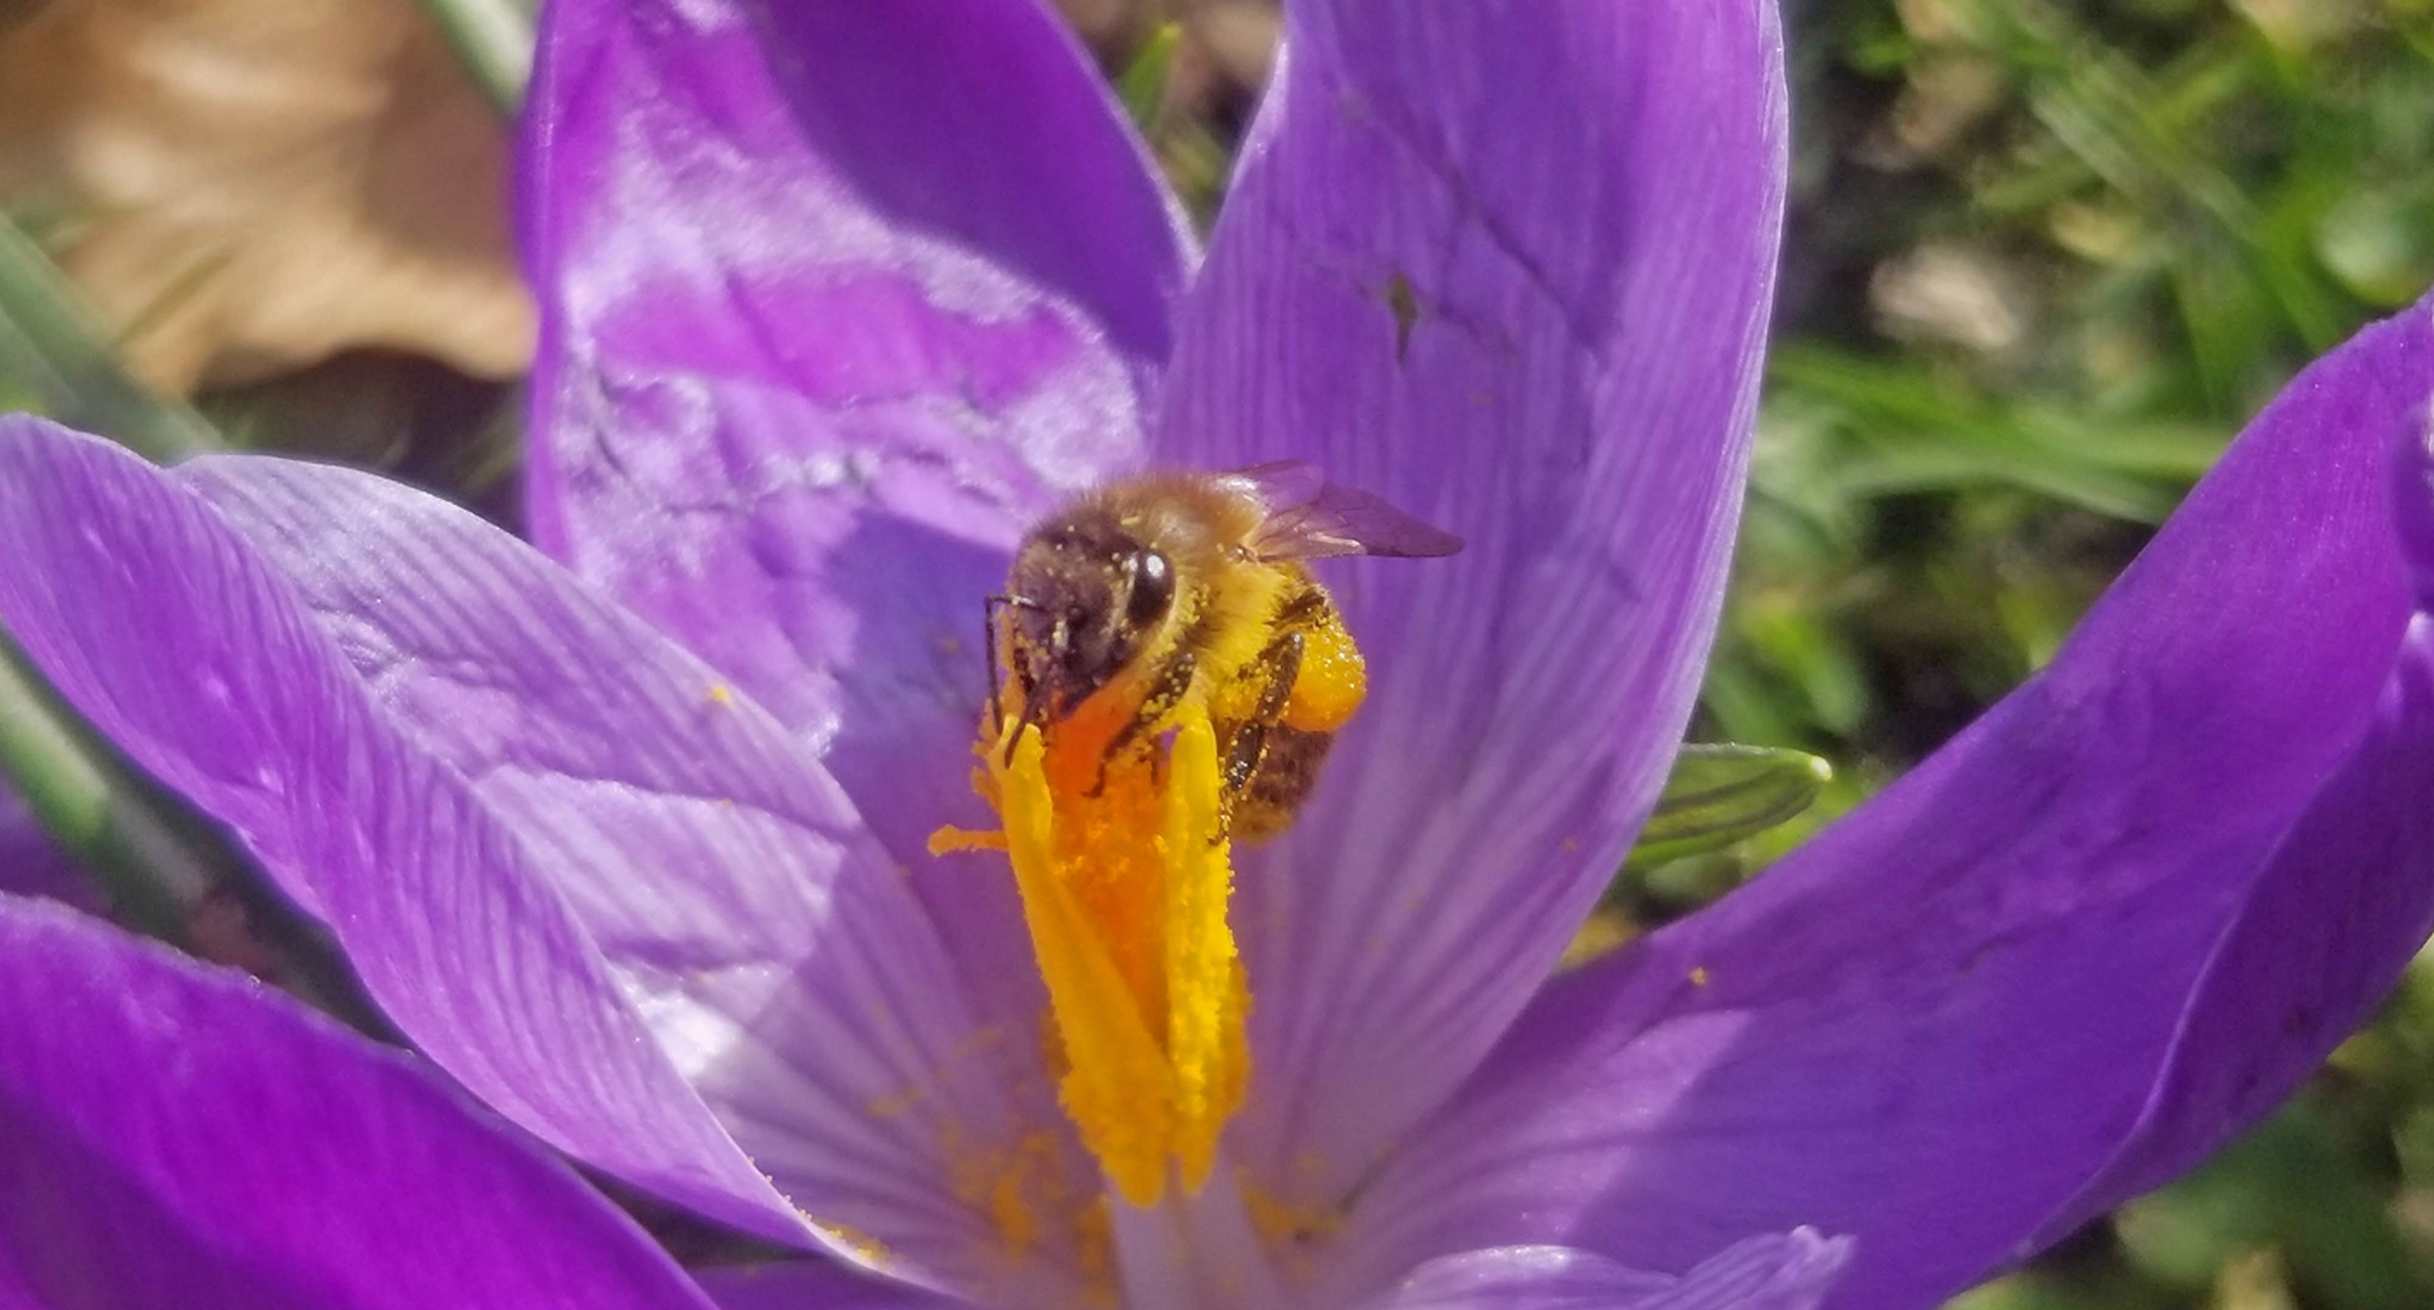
(1164, 587)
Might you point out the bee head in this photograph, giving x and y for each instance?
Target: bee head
(1087, 596)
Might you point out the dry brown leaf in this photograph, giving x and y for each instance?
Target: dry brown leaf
(1103, 22)
(248, 186)
(1239, 38)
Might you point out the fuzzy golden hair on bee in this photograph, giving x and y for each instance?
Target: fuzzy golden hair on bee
(1155, 590)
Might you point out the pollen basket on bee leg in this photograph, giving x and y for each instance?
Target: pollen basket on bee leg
(1333, 680)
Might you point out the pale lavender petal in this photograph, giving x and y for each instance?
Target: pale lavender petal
(835, 298)
(805, 1285)
(769, 943)
(2111, 924)
(1790, 1271)
(174, 1135)
(1507, 265)
(171, 635)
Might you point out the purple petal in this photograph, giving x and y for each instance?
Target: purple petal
(2109, 925)
(1508, 266)
(805, 1285)
(169, 633)
(835, 298)
(1792, 1271)
(765, 938)
(176, 1135)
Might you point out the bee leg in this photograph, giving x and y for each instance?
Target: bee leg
(1034, 712)
(1022, 673)
(1174, 682)
(1304, 610)
(1279, 665)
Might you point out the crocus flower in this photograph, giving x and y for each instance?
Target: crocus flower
(630, 838)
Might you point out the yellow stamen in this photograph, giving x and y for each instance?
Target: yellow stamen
(1124, 882)
(950, 840)
(855, 1240)
(1206, 997)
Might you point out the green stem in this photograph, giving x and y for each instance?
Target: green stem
(149, 876)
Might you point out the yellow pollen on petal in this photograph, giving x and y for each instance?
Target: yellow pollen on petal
(862, 1244)
(1124, 877)
(1095, 1251)
(1294, 1233)
(1280, 1221)
(1011, 1212)
(1038, 1208)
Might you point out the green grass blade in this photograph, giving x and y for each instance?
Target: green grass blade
(1142, 85)
(163, 870)
(150, 876)
(1719, 794)
(53, 360)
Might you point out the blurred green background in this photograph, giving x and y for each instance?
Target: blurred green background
(2044, 259)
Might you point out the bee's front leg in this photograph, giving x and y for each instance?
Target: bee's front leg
(1173, 684)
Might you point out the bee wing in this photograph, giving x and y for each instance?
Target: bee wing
(1311, 518)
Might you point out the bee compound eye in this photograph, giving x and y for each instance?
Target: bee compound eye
(1153, 587)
